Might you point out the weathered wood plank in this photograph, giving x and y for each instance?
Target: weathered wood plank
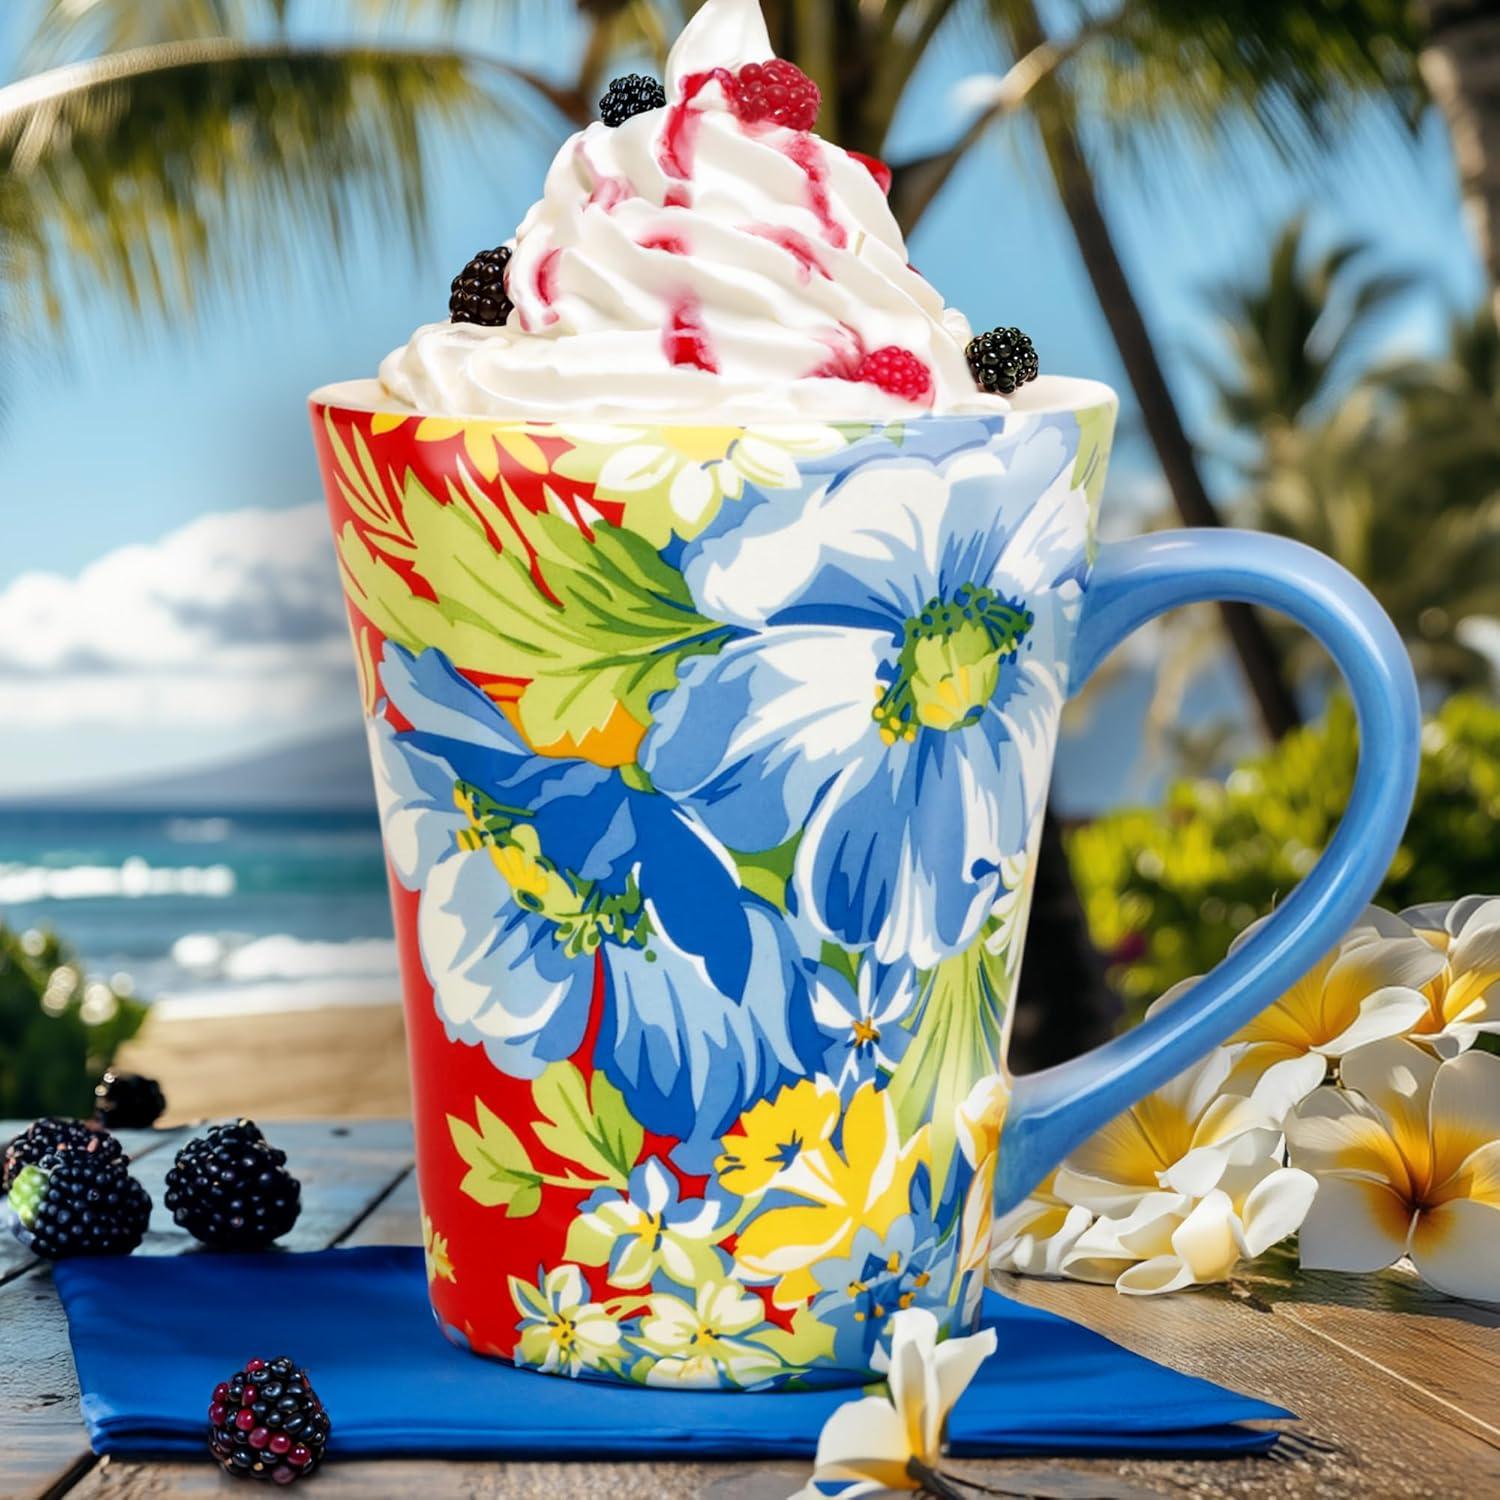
(1386, 1437)
(395, 1220)
(1441, 1345)
(457, 1479)
(14, 1256)
(344, 1169)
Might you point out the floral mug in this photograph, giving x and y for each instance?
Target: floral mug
(711, 764)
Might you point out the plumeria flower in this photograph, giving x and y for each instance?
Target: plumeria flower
(701, 1343)
(649, 1228)
(1036, 1236)
(1173, 1240)
(1179, 1141)
(894, 690)
(1407, 1157)
(541, 877)
(832, 1193)
(435, 1253)
(1367, 988)
(695, 469)
(1464, 997)
(561, 1330)
(862, 1021)
(895, 1442)
(770, 1136)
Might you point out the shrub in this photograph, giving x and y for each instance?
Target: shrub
(1167, 889)
(58, 1028)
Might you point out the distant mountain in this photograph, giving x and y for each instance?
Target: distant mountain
(329, 773)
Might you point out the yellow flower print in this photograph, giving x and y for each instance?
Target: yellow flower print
(435, 1252)
(867, 1186)
(485, 442)
(775, 1133)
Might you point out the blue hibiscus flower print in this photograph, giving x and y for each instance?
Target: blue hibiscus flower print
(542, 879)
(894, 687)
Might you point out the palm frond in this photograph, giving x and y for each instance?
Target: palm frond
(1299, 70)
(159, 173)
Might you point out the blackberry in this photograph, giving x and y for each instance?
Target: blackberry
(478, 294)
(629, 96)
(266, 1422)
(128, 1101)
(1002, 360)
(231, 1189)
(77, 1203)
(51, 1135)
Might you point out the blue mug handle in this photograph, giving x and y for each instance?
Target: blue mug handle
(1133, 582)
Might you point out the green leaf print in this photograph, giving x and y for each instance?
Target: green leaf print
(1096, 432)
(610, 626)
(500, 1173)
(587, 1123)
(959, 1021)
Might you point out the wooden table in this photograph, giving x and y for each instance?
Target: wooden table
(1398, 1388)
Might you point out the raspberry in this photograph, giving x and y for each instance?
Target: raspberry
(898, 372)
(777, 91)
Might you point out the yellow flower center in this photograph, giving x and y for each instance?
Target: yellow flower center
(866, 1033)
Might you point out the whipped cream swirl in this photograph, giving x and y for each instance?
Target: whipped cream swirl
(692, 265)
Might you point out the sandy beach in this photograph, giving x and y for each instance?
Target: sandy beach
(345, 1060)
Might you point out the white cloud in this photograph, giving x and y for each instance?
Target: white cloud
(235, 618)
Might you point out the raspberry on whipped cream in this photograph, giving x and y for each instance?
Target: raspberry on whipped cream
(712, 259)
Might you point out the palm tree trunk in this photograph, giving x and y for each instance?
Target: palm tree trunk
(1461, 67)
(1258, 657)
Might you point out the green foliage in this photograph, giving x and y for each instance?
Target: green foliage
(959, 1026)
(1166, 890)
(489, 612)
(500, 1174)
(587, 1123)
(58, 1031)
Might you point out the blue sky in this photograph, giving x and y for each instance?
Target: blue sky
(123, 436)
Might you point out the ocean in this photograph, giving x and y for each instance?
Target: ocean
(203, 913)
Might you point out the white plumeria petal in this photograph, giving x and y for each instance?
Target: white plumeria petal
(862, 1439)
(1285, 1084)
(1040, 1247)
(957, 1362)
(1464, 1112)
(1354, 1224)
(1149, 1278)
(1276, 1207)
(1389, 1011)
(1456, 1246)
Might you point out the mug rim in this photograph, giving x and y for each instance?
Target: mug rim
(1048, 395)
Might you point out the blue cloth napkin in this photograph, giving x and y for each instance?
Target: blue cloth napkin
(152, 1335)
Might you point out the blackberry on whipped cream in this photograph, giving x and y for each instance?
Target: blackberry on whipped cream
(712, 258)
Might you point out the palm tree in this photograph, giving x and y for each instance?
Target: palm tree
(1396, 473)
(1460, 42)
(1295, 337)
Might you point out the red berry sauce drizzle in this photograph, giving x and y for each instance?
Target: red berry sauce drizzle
(686, 340)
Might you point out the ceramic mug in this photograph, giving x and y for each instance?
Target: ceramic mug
(711, 765)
